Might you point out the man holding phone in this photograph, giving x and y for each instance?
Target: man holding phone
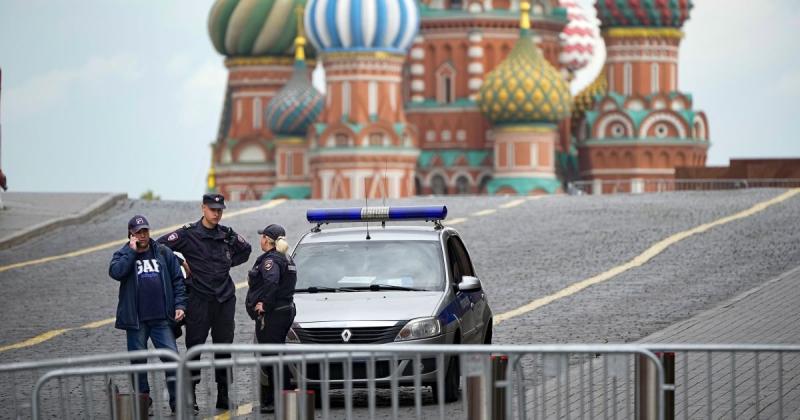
(152, 296)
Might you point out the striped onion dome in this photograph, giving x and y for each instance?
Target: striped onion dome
(585, 99)
(578, 37)
(524, 88)
(295, 107)
(643, 13)
(362, 25)
(253, 27)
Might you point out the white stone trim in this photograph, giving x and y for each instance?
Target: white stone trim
(654, 118)
(417, 53)
(475, 52)
(475, 68)
(417, 85)
(608, 119)
(631, 171)
(475, 83)
(417, 69)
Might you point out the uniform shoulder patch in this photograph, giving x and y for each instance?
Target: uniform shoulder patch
(172, 237)
(268, 264)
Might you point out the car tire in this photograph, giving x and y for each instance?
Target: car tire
(487, 338)
(452, 382)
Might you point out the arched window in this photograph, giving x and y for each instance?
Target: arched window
(462, 185)
(654, 78)
(438, 185)
(417, 186)
(257, 117)
(482, 186)
(627, 79)
(446, 84)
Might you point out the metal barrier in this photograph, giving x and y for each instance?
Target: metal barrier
(370, 381)
(735, 381)
(358, 381)
(78, 392)
(641, 185)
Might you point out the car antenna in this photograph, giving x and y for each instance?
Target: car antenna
(385, 187)
(366, 204)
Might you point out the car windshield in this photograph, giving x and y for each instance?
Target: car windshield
(366, 265)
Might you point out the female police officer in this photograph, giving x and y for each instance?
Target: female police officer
(270, 300)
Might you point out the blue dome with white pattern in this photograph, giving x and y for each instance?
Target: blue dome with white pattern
(362, 25)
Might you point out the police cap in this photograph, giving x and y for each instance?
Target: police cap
(273, 231)
(214, 201)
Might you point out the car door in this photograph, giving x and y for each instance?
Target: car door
(459, 266)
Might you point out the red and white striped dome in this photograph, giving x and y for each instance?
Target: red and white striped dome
(578, 37)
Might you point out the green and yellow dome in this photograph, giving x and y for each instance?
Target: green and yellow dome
(525, 88)
(585, 99)
(252, 28)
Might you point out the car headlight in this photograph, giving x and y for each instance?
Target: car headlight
(291, 336)
(419, 328)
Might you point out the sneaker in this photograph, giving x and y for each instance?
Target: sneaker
(150, 412)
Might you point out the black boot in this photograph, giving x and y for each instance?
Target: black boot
(222, 397)
(267, 403)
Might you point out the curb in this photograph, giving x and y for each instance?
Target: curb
(95, 208)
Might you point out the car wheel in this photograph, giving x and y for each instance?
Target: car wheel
(452, 382)
(487, 337)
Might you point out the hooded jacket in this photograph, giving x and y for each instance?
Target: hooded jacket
(123, 269)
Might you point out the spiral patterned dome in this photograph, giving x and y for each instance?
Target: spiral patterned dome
(295, 107)
(578, 37)
(362, 25)
(524, 88)
(643, 13)
(253, 27)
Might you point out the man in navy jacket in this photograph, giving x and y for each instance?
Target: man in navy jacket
(152, 295)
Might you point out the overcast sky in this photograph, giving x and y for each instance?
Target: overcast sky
(125, 96)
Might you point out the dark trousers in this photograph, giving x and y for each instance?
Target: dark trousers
(203, 315)
(272, 329)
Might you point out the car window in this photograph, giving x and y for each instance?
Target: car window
(458, 259)
(414, 264)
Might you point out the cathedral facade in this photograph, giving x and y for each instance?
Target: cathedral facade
(446, 97)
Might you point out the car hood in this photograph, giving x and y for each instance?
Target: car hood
(365, 306)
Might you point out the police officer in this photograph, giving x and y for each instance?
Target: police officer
(270, 301)
(210, 250)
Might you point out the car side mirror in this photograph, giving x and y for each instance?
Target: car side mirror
(469, 284)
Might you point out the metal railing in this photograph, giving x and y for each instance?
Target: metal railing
(79, 390)
(646, 381)
(641, 185)
(367, 381)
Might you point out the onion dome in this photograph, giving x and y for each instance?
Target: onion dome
(253, 27)
(524, 88)
(295, 107)
(585, 100)
(643, 13)
(362, 25)
(578, 37)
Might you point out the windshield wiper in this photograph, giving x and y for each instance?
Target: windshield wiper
(377, 287)
(323, 289)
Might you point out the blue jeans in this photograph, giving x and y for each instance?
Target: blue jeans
(160, 333)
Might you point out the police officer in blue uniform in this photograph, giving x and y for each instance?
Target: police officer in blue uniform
(270, 301)
(210, 250)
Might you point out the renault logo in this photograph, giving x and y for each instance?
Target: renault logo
(346, 334)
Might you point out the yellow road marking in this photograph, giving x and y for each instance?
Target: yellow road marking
(112, 244)
(484, 212)
(240, 411)
(514, 203)
(640, 259)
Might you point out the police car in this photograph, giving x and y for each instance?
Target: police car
(379, 284)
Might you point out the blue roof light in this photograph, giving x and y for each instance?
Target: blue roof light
(376, 214)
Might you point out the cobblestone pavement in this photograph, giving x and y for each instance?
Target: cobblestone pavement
(521, 253)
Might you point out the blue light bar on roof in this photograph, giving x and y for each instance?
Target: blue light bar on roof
(376, 214)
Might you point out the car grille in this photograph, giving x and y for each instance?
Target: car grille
(360, 335)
